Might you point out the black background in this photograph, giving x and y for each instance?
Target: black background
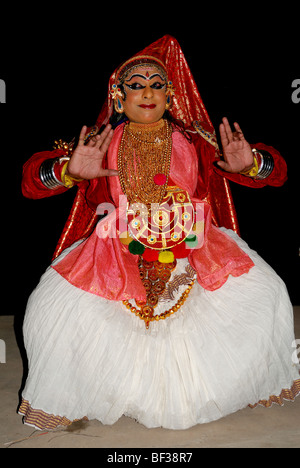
(57, 68)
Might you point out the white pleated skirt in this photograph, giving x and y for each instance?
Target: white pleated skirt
(223, 350)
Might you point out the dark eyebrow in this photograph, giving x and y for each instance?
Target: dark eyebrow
(136, 75)
(159, 76)
(143, 76)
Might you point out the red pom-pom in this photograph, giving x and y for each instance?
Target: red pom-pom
(160, 179)
(180, 250)
(150, 255)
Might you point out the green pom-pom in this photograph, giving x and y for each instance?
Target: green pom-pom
(190, 238)
(191, 241)
(136, 248)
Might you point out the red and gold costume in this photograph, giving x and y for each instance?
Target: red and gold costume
(226, 347)
(212, 183)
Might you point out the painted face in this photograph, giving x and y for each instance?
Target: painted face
(145, 90)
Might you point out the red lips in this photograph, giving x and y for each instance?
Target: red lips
(149, 106)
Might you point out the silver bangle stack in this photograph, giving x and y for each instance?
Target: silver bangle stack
(47, 173)
(266, 165)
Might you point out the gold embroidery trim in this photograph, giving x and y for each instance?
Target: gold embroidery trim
(210, 137)
(286, 394)
(42, 420)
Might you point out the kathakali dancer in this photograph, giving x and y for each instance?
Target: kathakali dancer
(159, 310)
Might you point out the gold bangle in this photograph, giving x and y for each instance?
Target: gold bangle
(67, 180)
(254, 170)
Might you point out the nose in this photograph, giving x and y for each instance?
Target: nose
(148, 92)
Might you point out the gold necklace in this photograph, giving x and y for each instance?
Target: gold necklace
(144, 152)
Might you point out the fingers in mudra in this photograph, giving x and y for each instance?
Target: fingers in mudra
(86, 162)
(101, 141)
(237, 152)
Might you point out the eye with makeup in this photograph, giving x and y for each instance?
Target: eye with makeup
(137, 86)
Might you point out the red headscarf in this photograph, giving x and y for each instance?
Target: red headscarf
(187, 107)
(187, 103)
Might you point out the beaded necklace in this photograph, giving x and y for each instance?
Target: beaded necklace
(145, 152)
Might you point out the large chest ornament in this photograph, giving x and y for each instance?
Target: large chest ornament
(160, 218)
(165, 225)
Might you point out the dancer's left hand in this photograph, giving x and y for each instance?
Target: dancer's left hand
(237, 152)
